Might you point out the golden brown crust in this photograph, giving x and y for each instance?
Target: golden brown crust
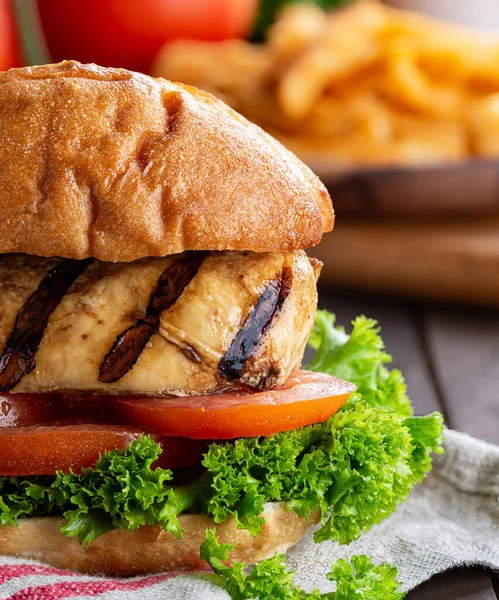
(116, 165)
(150, 549)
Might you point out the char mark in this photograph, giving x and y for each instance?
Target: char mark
(258, 322)
(130, 344)
(18, 356)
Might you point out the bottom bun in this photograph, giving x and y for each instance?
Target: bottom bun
(150, 549)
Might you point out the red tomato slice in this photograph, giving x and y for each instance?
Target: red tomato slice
(43, 450)
(27, 410)
(42, 433)
(125, 33)
(306, 398)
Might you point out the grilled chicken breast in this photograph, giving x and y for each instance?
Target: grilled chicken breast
(192, 323)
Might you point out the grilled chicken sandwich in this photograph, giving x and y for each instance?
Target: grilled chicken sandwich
(155, 305)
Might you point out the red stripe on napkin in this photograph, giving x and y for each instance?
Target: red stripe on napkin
(9, 572)
(68, 589)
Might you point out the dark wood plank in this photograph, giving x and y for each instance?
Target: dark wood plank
(464, 349)
(495, 582)
(399, 323)
(458, 584)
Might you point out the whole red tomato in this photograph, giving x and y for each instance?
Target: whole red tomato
(128, 33)
(9, 52)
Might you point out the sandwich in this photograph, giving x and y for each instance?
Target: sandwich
(156, 301)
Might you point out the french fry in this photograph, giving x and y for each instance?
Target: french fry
(364, 85)
(226, 69)
(334, 56)
(298, 26)
(483, 121)
(408, 85)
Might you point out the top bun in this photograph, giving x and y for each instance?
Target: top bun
(116, 165)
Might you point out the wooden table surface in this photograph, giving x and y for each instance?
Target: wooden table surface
(450, 358)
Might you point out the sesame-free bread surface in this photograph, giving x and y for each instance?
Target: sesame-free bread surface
(150, 549)
(116, 165)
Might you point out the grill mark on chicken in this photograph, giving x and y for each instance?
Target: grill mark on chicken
(130, 344)
(18, 356)
(260, 319)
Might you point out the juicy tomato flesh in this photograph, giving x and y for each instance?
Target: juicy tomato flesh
(42, 433)
(27, 410)
(306, 398)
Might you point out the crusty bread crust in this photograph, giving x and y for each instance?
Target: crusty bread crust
(116, 165)
(150, 549)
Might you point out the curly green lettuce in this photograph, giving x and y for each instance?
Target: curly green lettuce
(360, 358)
(120, 491)
(355, 467)
(351, 470)
(271, 580)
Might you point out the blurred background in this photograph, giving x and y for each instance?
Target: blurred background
(395, 105)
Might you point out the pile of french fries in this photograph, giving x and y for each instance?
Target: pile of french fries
(364, 85)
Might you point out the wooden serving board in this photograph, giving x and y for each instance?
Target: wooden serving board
(423, 191)
(452, 261)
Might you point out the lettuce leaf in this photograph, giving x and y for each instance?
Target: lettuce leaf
(359, 358)
(21, 497)
(356, 468)
(120, 491)
(427, 438)
(271, 580)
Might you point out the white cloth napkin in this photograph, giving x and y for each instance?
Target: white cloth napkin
(452, 519)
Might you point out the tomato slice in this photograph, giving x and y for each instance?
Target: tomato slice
(26, 451)
(26, 410)
(43, 433)
(306, 398)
